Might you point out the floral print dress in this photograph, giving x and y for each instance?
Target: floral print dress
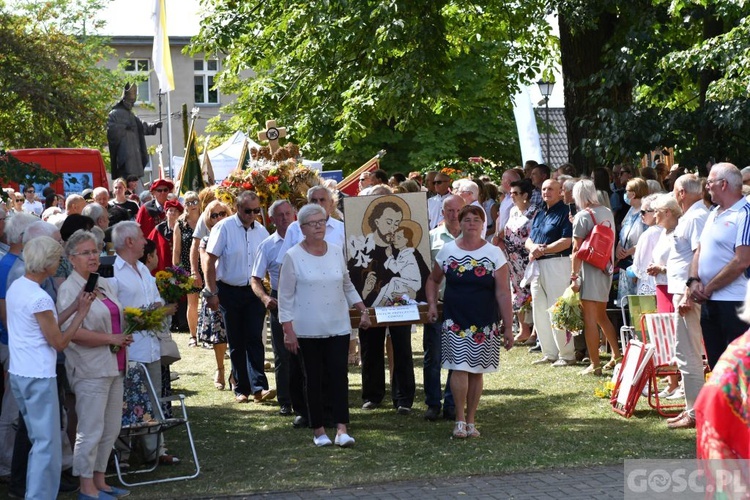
(471, 338)
(517, 231)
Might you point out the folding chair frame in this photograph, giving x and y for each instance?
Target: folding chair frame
(661, 368)
(159, 425)
(642, 374)
(637, 307)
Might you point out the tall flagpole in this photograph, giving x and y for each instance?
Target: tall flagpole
(169, 138)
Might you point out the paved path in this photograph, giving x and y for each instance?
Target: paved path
(570, 484)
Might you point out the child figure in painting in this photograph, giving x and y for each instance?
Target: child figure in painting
(408, 278)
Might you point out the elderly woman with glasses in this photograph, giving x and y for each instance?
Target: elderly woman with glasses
(646, 284)
(35, 338)
(315, 294)
(96, 372)
(630, 232)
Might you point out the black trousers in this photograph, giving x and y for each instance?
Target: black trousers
(372, 346)
(720, 326)
(280, 357)
(325, 363)
(244, 314)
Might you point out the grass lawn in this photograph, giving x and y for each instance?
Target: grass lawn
(530, 417)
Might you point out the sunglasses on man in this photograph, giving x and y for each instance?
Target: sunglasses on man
(249, 211)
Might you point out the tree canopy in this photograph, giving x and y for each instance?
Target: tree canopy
(424, 80)
(53, 93)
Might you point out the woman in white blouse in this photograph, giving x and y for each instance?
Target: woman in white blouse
(315, 294)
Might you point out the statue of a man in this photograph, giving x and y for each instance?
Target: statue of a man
(126, 136)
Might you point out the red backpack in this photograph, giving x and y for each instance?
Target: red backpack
(597, 247)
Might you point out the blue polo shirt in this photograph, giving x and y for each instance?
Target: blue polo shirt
(551, 224)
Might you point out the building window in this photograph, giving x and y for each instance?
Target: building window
(204, 75)
(139, 68)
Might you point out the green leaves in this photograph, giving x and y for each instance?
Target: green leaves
(349, 78)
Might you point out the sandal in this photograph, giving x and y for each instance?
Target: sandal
(612, 363)
(592, 370)
(219, 380)
(193, 342)
(459, 431)
(471, 431)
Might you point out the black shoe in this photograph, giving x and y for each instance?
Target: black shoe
(536, 348)
(449, 413)
(370, 405)
(403, 410)
(432, 413)
(299, 422)
(286, 411)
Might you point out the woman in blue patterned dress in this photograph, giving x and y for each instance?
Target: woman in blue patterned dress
(477, 312)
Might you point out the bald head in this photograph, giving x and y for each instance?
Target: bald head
(551, 192)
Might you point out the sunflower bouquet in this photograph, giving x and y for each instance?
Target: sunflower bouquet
(146, 319)
(174, 283)
(567, 313)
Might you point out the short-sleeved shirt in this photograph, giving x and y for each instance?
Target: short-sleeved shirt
(30, 353)
(551, 224)
(235, 247)
(5, 265)
(683, 244)
(722, 234)
(265, 259)
(200, 230)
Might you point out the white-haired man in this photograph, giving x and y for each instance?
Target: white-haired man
(281, 213)
(688, 192)
(320, 195)
(718, 277)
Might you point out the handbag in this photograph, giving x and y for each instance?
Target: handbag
(597, 247)
(170, 353)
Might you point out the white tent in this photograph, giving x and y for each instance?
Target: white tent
(224, 158)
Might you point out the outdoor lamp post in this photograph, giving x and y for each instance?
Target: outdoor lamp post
(546, 89)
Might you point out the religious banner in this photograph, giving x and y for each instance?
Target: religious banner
(388, 248)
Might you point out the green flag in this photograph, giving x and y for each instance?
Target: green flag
(191, 177)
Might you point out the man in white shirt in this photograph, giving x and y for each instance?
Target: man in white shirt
(281, 214)
(442, 185)
(717, 277)
(31, 205)
(137, 288)
(231, 250)
(688, 192)
(320, 195)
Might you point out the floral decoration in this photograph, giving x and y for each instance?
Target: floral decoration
(146, 319)
(174, 283)
(478, 335)
(479, 268)
(272, 177)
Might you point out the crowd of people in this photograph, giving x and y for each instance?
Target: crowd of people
(501, 256)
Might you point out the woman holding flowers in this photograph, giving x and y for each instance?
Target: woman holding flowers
(477, 313)
(211, 328)
(592, 283)
(181, 242)
(95, 362)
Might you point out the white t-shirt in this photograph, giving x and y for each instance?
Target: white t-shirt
(30, 353)
(722, 233)
(683, 244)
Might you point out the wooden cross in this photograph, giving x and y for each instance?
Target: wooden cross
(272, 134)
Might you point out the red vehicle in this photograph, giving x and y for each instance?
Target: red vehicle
(80, 168)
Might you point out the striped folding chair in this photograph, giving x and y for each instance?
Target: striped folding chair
(659, 329)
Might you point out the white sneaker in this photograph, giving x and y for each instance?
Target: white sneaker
(664, 394)
(323, 440)
(344, 440)
(678, 394)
